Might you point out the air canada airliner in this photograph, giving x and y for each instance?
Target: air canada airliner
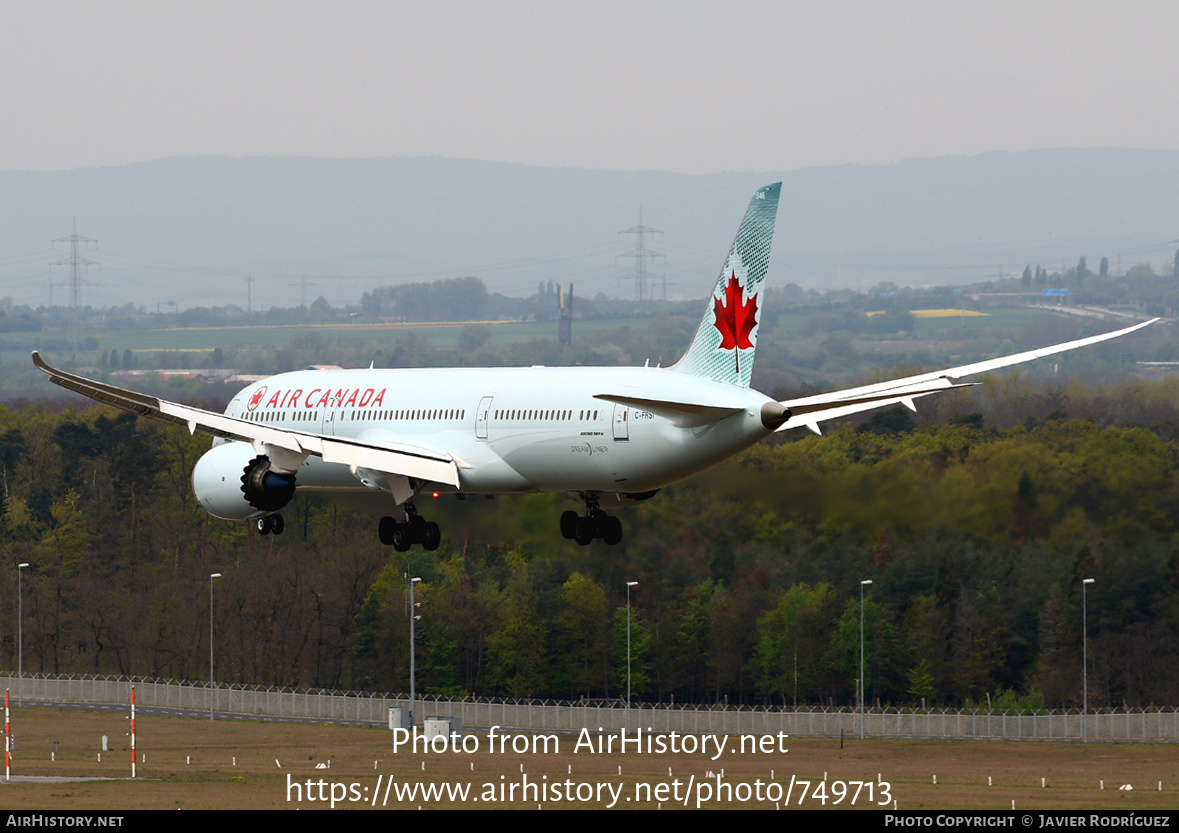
(602, 435)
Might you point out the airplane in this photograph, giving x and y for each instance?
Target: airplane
(604, 436)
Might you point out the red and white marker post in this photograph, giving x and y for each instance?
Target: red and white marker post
(7, 740)
(132, 731)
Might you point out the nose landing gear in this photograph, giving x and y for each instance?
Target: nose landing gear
(268, 524)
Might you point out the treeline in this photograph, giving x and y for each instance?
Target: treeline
(1138, 285)
(450, 299)
(975, 532)
(749, 579)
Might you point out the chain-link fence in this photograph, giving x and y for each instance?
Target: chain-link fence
(1149, 724)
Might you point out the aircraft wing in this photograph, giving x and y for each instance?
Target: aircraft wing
(811, 410)
(392, 458)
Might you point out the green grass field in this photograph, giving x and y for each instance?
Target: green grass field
(441, 335)
(1009, 321)
(232, 765)
(444, 335)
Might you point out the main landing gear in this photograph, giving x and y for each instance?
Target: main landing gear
(268, 524)
(595, 524)
(416, 530)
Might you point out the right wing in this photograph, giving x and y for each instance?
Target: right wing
(391, 458)
(811, 410)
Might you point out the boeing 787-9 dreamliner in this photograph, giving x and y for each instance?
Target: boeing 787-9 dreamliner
(602, 435)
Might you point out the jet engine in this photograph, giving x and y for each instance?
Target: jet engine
(265, 488)
(233, 482)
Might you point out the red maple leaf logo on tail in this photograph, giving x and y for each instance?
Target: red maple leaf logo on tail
(735, 320)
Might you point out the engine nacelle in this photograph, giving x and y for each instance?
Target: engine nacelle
(233, 482)
(265, 488)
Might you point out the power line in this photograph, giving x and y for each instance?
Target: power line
(75, 262)
(303, 284)
(641, 255)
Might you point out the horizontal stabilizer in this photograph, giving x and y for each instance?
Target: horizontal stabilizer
(678, 413)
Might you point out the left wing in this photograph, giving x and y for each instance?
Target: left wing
(811, 410)
(392, 458)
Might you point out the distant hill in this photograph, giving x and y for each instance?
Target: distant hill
(190, 229)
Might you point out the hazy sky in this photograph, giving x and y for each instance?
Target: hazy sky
(686, 86)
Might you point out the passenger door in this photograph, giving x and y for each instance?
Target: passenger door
(482, 415)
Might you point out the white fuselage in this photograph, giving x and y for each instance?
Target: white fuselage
(513, 430)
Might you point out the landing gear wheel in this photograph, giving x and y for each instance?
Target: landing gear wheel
(584, 533)
(417, 528)
(569, 520)
(269, 523)
(386, 530)
(402, 539)
(611, 530)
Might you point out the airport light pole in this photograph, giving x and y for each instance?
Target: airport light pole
(629, 585)
(413, 615)
(1085, 582)
(212, 685)
(20, 636)
(862, 583)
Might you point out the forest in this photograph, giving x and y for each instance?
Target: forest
(975, 520)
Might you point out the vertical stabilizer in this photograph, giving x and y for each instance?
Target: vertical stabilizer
(724, 344)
